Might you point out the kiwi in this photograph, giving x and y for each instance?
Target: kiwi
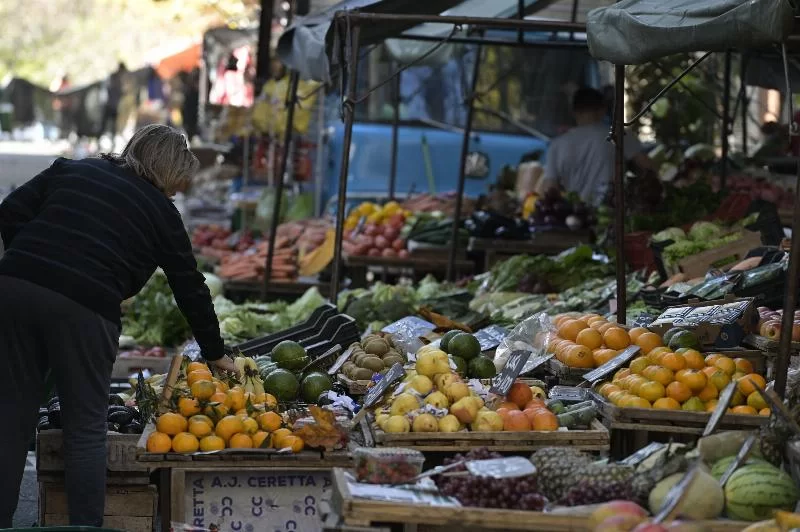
(390, 361)
(362, 374)
(371, 363)
(347, 367)
(377, 346)
(358, 358)
(393, 353)
(351, 372)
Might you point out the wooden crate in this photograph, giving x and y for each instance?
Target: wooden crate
(567, 376)
(762, 343)
(121, 452)
(596, 438)
(353, 387)
(246, 458)
(130, 508)
(698, 264)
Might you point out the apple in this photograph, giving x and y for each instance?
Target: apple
(374, 252)
(389, 252)
(390, 233)
(650, 527)
(403, 253)
(381, 242)
(771, 329)
(370, 229)
(796, 331)
(399, 244)
(614, 508)
(619, 523)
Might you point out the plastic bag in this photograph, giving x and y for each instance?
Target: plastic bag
(532, 334)
(407, 331)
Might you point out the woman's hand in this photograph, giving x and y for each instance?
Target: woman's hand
(224, 364)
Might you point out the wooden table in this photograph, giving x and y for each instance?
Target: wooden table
(543, 242)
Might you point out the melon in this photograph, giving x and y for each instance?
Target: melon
(754, 491)
(720, 466)
(705, 499)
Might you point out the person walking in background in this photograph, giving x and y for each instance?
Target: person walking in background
(81, 237)
(62, 106)
(191, 103)
(114, 95)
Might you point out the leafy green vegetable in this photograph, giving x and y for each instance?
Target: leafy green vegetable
(152, 317)
(705, 231)
(671, 233)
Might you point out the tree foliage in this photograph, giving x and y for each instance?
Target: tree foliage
(85, 39)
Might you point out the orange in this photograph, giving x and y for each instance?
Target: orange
(605, 327)
(743, 365)
(636, 332)
(579, 356)
(220, 397)
(748, 383)
(250, 426)
(756, 401)
(508, 405)
(198, 375)
(520, 394)
(673, 361)
(601, 356)
(158, 442)
(649, 341)
(738, 375)
(617, 397)
(260, 439)
(708, 393)
(694, 359)
(200, 428)
(636, 382)
(203, 389)
(621, 374)
(240, 441)
(662, 375)
(657, 354)
(711, 405)
(678, 391)
(596, 324)
(616, 338)
(195, 366)
(242, 413)
(726, 364)
(216, 410)
(204, 419)
(569, 329)
(638, 402)
(277, 437)
(552, 344)
(269, 421)
(236, 398)
(516, 421)
(212, 443)
(270, 402)
(710, 370)
(589, 338)
(543, 420)
(638, 365)
(221, 386)
(228, 426)
(738, 398)
(719, 379)
(745, 410)
(765, 412)
(712, 358)
(295, 443)
(171, 423)
(667, 403)
(605, 388)
(693, 379)
(652, 391)
(188, 406)
(185, 442)
(559, 319)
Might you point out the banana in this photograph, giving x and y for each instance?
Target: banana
(239, 364)
(787, 520)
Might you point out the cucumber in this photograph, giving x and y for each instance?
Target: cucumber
(556, 407)
(579, 406)
(578, 418)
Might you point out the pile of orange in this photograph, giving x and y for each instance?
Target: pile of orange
(587, 341)
(210, 416)
(521, 411)
(683, 380)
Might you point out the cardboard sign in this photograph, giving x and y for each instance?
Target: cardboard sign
(612, 365)
(491, 336)
(722, 407)
(676, 495)
(269, 500)
(516, 361)
(741, 456)
(374, 394)
(643, 320)
(344, 357)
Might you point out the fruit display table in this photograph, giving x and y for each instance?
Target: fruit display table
(547, 242)
(420, 265)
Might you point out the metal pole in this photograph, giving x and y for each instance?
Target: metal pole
(462, 167)
(291, 101)
(349, 115)
(264, 42)
(395, 134)
(745, 102)
(726, 118)
(360, 17)
(619, 193)
(790, 299)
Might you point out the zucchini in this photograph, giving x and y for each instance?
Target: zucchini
(578, 418)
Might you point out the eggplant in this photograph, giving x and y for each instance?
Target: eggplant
(115, 408)
(133, 427)
(53, 400)
(120, 417)
(113, 427)
(44, 424)
(54, 415)
(42, 412)
(115, 400)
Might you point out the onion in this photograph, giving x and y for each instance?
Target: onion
(403, 253)
(374, 252)
(381, 242)
(390, 232)
(389, 252)
(399, 244)
(371, 230)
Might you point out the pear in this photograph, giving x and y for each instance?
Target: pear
(487, 421)
(437, 400)
(381, 420)
(422, 384)
(457, 391)
(404, 403)
(449, 423)
(425, 423)
(443, 380)
(397, 424)
(465, 410)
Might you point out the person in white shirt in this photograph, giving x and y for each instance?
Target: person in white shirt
(582, 159)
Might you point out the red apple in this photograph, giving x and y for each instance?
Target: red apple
(771, 329)
(381, 242)
(619, 523)
(390, 233)
(370, 229)
(374, 252)
(796, 331)
(650, 527)
(399, 244)
(403, 253)
(615, 508)
(389, 252)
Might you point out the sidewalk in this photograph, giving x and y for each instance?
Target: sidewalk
(28, 505)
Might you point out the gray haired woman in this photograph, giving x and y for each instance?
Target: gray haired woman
(81, 237)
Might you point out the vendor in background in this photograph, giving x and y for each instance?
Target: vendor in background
(582, 159)
(81, 237)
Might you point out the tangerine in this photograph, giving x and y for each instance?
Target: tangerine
(589, 338)
(188, 406)
(543, 420)
(601, 356)
(667, 403)
(212, 443)
(277, 437)
(652, 391)
(200, 428)
(750, 382)
(196, 366)
(638, 402)
(710, 370)
(657, 354)
(261, 439)
(158, 442)
(250, 426)
(295, 443)
(516, 421)
(203, 389)
(636, 382)
(198, 375)
(508, 405)
(719, 379)
(636, 332)
(569, 329)
(756, 401)
(711, 405)
(269, 421)
(743, 365)
(171, 423)
(678, 391)
(221, 386)
(617, 397)
(662, 375)
(236, 399)
(712, 358)
(579, 356)
(649, 341)
(240, 441)
(726, 364)
(616, 338)
(745, 410)
(270, 402)
(738, 398)
(708, 393)
(693, 379)
(220, 397)
(694, 358)
(765, 412)
(185, 442)
(638, 365)
(520, 394)
(603, 328)
(228, 426)
(673, 361)
(621, 374)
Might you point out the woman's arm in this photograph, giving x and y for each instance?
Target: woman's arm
(22, 205)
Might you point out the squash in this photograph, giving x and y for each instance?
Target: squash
(705, 499)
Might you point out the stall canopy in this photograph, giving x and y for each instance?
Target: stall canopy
(633, 32)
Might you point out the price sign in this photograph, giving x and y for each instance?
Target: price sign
(643, 454)
(516, 361)
(643, 320)
(511, 467)
(569, 394)
(722, 407)
(344, 357)
(394, 374)
(245, 500)
(741, 456)
(491, 336)
(612, 365)
(676, 495)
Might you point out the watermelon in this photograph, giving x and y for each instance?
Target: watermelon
(721, 465)
(754, 491)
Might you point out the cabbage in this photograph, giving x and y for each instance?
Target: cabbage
(214, 284)
(705, 231)
(675, 234)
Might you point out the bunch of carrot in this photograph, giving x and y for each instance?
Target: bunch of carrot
(251, 264)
